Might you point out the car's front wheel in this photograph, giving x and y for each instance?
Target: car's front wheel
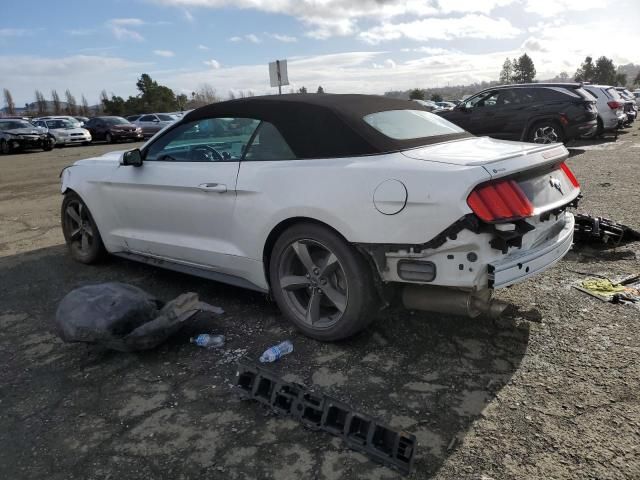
(546, 132)
(80, 231)
(321, 283)
(108, 138)
(5, 148)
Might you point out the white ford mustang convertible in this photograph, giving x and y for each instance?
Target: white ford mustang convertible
(332, 203)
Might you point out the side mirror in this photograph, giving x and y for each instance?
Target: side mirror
(155, 120)
(133, 158)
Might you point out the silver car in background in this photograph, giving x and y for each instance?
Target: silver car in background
(610, 107)
(152, 123)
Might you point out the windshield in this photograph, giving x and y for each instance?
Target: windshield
(166, 118)
(58, 124)
(115, 121)
(410, 124)
(11, 124)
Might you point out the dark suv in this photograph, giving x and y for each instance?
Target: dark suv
(532, 112)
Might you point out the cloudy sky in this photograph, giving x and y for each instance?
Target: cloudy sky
(363, 46)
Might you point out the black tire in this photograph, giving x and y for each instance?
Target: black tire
(48, 146)
(80, 230)
(545, 132)
(343, 295)
(108, 138)
(5, 148)
(86, 144)
(600, 128)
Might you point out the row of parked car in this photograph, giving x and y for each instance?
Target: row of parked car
(44, 133)
(544, 112)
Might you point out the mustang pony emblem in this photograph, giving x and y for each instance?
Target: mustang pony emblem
(555, 183)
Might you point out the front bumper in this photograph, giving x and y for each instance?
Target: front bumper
(80, 139)
(29, 142)
(127, 135)
(519, 267)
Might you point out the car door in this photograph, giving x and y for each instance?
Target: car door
(491, 113)
(179, 204)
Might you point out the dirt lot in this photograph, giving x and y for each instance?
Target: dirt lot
(549, 391)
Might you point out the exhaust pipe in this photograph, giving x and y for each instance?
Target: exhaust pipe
(451, 301)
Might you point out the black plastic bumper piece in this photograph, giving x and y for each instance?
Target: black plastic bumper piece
(321, 412)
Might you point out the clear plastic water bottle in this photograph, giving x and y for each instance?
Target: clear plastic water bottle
(208, 341)
(276, 352)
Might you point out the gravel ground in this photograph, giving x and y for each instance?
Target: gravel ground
(548, 391)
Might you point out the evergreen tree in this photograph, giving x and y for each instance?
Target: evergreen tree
(506, 74)
(416, 94)
(524, 70)
(586, 71)
(302, 89)
(436, 97)
(605, 71)
(320, 89)
(621, 80)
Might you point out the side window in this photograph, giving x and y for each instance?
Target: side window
(207, 140)
(147, 118)
(486, 100)
(269, 144)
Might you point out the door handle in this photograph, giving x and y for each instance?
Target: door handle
(213, 187)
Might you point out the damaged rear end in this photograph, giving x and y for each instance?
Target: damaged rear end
(517, 226)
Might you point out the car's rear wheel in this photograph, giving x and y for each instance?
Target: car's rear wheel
(321, 283)
(5, 148)
(546, 132)
(80, 230)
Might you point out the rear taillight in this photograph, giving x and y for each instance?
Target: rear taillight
(572, 178)
(499, 201)
(613, 105)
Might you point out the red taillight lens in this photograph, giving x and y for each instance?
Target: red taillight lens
(613, 105)
(497, 201)
(572, 178)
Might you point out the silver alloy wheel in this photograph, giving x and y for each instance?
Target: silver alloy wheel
(545, 134)
(78, 227)
(313, 283)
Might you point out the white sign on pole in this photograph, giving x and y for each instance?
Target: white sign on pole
(278, 73)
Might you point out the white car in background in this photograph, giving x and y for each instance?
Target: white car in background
(330, 203)
(610, 107)
(64, 132)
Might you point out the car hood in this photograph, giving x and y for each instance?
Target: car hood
(68, 130)
(109, 157)
(474, 151)
(24, 131)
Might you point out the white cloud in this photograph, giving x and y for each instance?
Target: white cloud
(329, 18)
(427, 50)
(212, 63)
(552, 8)
(14, 32)
(164, 53)
(122, 33)
(80, 32)
(203, 47)
(469, 26)
(188, 16)
(250, 37)
(128, 22)
(282, 38)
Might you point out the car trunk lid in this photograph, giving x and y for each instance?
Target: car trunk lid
(537, 169)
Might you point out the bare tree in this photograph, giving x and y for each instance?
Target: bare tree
(8, 99)
(57, 105)
(41, 103)
(84, 106)
(72, 105)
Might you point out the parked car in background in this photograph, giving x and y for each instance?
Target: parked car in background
(435, 214)
(446, 105)
(536, 112)
(133, 118)
(113, 129)
(636, 95)
(73, 120)
(63, 132)
(429, 105)
(630, 107)
(17, 134)
(82, 120)
(153, 123)
(610, 108)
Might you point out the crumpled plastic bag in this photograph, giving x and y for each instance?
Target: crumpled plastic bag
(123, 317)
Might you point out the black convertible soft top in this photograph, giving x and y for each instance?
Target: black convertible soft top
(322, 125)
